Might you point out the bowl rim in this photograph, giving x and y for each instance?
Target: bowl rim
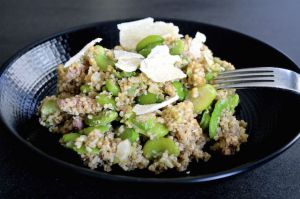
(123, 178)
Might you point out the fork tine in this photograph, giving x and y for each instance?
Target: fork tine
(249, 70)
(243, 79)
(241, 75)
(245, 85)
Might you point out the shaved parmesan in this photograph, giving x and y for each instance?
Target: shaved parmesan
(133, 32)
(196, 45)
(127, 61)
(77, 57)
(208, 56)
(143, 109)
(123, 150)
(159, 65)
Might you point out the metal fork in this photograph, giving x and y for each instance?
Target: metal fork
(259, 77)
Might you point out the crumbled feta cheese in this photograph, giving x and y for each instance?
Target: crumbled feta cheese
(143, 109)
(133, 32)
(127, 61)
(196, 45)
(159, 65)
(123, 150)
(78, 56)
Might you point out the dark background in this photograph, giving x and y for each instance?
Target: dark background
(24, 174)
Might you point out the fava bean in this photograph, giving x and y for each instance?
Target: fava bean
(234, 101)
(86, 88)
(99, 128)
(127, 74)
(69, 140)
(123, 74)
(205, 119)
(101, 59)
(180, 90)
(112, 87)
(177, 47)
(143, 126)
(131, 91)
(103, 99)
(130, 134)
(148, 98)
(210, 76)
(103, 118)
(156, 147)
(206, 94)
(229, 103)
(70, 137)
(157, 131)
(82, 150)
(147, 50)
(149, 40)
(99, 50)
(49, 107)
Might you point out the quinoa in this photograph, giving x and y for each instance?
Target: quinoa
(112, 132)
(231, 134)
(163, 163)
(79, 105)
(57, 121)
(70, 79)
(195, 72)
(181, 121)
(135, 160)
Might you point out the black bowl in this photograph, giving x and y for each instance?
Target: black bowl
(30, 75)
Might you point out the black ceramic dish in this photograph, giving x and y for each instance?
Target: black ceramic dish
(271, 114)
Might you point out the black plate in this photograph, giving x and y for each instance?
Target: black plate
(30, 75)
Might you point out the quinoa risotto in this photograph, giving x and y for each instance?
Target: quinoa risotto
(146, 103)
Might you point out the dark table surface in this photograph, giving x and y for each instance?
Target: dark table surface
(24, 174)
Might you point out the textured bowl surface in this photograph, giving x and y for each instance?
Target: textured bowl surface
(31, 75)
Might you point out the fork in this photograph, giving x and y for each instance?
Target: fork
(258, 77)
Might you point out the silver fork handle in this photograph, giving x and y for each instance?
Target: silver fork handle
(290, 82)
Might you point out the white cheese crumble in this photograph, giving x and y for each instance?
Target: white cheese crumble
(127, 61)
(143, 109)
(123, 150)
(159, 65)
(133, 32)
(196, 45)
(77, 57)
